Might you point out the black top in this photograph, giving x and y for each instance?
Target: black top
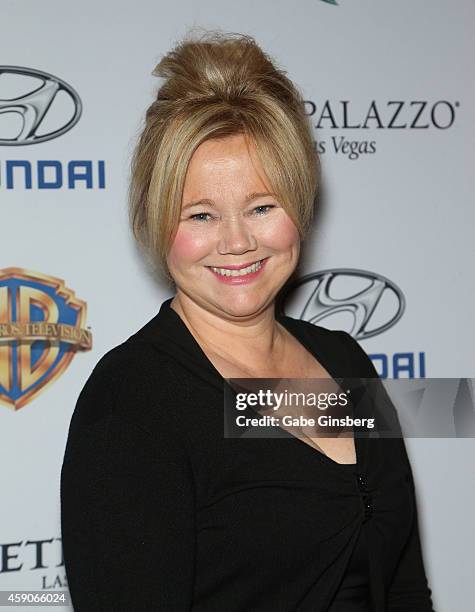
(159, 511)
(353, 593)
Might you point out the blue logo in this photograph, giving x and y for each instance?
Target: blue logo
(42, 325)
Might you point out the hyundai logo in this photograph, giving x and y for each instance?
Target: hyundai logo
(316, 300)
(36, 106)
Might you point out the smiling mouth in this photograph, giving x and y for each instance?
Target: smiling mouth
(251, 268)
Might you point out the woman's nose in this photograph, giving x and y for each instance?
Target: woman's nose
(236, 237)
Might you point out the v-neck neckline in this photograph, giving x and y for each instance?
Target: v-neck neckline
(312, 348)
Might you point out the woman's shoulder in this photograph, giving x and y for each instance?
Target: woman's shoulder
(127, 412)
(131, 361)
(143, 352)
(130, 357)
(132, 379)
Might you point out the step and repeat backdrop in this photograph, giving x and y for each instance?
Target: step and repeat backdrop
(390, 93)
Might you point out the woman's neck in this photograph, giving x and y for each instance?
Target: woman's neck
(257, 338)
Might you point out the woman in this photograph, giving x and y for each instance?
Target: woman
(159, 510)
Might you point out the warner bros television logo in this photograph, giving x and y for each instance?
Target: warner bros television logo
(42, 326)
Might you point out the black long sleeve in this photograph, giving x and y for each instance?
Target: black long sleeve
(127, 500)
(409, 590)
(160, 511)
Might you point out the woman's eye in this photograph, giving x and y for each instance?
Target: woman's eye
(259, 209)
(199, 216)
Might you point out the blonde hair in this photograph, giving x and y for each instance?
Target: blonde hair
(215, 86)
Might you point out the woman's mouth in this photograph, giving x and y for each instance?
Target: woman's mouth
(233, 275)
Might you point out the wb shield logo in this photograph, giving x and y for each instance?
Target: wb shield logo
(42, 325)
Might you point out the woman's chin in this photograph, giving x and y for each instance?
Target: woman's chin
(242, 305)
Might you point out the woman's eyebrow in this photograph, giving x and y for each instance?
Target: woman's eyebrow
(206, 202)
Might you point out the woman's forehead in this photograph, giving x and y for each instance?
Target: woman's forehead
(222, 167)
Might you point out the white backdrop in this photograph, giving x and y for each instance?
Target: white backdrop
(403, 209)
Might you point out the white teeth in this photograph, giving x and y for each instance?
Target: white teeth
(225, 272)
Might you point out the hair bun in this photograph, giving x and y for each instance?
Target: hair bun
(219, 66)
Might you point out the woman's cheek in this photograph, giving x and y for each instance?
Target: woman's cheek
(281, 232)
(188, 246)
